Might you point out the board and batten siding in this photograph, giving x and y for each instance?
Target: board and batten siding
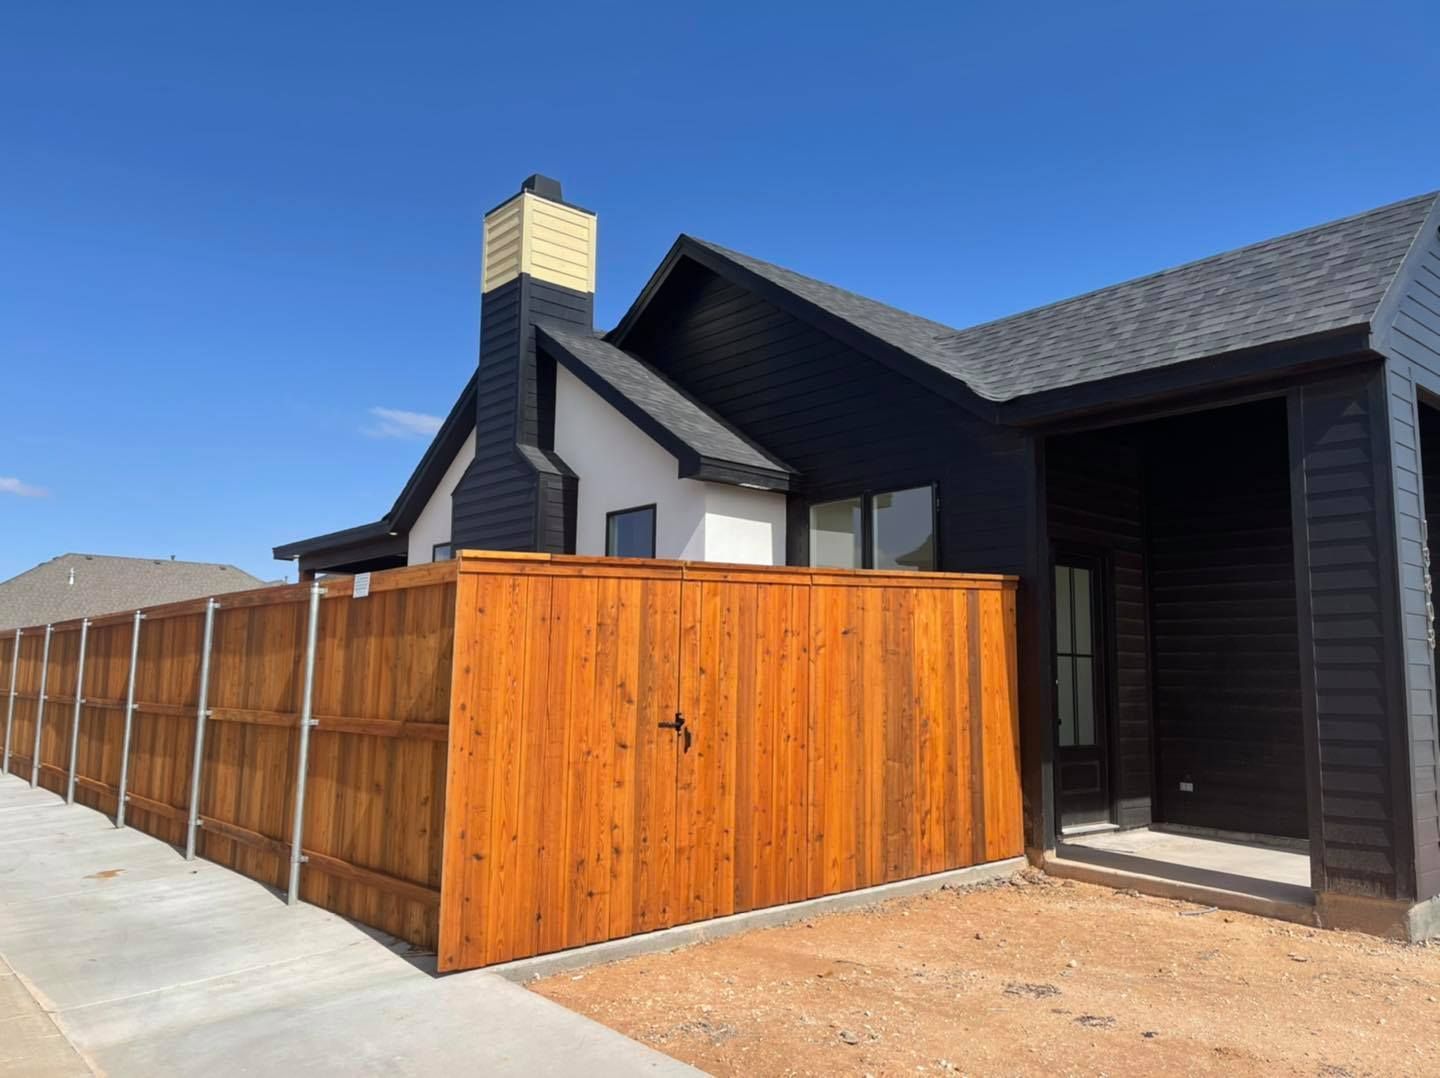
(845, 421)
(1407, 332)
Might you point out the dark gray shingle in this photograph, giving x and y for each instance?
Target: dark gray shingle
(663, 402)
(1324, 278)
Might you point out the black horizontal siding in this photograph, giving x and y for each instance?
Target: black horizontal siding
(1410, 338)
(1228, 716)
(511, 497)
(1339, 441)
(1095, 490)
(845, 421)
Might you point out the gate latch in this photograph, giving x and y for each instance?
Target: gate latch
(679, 727)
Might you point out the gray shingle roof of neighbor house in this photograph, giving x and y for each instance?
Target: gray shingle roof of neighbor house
(707, 446)
(109, 585)
(1318, 280)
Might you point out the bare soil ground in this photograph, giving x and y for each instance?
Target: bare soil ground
(1034, 976)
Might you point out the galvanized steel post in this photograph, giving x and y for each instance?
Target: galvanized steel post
(307, 720)
(201, 713)
(40, 707)
(75, 716)
(10, 710)
(129, 717)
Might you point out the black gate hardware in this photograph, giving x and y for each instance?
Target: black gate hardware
(679, 727)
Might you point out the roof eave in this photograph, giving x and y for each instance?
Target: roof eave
(345, 537)
(1188, 377)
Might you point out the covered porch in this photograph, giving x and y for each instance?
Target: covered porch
(1223, 633)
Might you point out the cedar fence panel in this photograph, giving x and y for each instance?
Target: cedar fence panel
(848, 729)
(375, 798)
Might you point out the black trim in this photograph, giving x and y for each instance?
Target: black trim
(653, 509)
(692, 464)
(423, 481)
(1209, 373)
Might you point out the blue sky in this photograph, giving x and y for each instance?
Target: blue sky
(231, 233)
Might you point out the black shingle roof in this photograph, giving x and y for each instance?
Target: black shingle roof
(659, 406)
(1321, 279)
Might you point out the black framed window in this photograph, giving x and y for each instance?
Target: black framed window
(441, 552)
(893, 529)
(630, 533)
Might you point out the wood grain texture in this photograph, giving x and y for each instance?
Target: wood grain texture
(848, 729)
(375, 802)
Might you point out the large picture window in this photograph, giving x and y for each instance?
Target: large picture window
(630, 533)
(892, 529)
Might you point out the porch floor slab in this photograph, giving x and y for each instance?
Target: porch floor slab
(1272, 870)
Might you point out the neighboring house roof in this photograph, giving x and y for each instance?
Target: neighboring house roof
(706, 446)
(1320, 280)
(417, 491)
(107, 585)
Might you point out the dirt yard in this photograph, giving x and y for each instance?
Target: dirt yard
(1034, 976)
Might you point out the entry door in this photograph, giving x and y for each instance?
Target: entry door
(1082, 774)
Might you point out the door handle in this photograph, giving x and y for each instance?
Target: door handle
(678, 725)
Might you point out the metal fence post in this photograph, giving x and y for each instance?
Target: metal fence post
(307, 720)
(200, 715)
(40, 706)
(129, 717)
(10, 711)
(75, 717)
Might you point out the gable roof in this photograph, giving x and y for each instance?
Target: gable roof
(108, 585)
(1316, 281)
(439, 454)
(706, 446)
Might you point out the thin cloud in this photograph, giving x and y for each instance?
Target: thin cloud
(394, 423)
(11, 485)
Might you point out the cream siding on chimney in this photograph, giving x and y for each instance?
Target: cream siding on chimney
(549, 241)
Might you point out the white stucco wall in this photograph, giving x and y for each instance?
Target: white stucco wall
(620, 467)
(433, 524)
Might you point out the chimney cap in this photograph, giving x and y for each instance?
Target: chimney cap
(543, 186)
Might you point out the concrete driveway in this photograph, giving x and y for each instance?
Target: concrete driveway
(127, 960)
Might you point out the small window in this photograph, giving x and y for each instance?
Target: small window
(836, 534)
(888, 530)
(630, 533)
(904, 530)
(441, 552)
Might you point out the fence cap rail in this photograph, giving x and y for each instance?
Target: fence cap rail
(413, 576)
(486, 561)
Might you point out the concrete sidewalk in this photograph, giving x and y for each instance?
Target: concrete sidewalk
(128, 961)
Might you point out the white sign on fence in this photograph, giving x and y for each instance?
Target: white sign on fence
(362, 585)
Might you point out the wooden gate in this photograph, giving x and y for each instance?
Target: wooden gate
(640, 744)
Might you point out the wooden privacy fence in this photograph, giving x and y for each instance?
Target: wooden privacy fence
(86, 719)
(635, 745)
(592, 747)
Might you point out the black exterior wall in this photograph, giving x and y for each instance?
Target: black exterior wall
(517, 494)
(1096, 504)
(1408, 334)
(1223, 622)
(1353, 694)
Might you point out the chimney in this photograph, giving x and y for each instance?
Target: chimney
(538, 267)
